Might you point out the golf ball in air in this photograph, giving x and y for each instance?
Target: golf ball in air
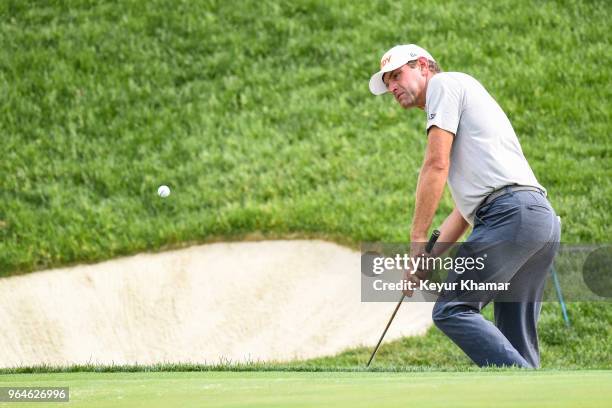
(163, 191)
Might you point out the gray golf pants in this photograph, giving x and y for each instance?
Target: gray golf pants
(519, 232)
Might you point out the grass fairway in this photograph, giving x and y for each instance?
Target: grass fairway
(259, 118)
(338, 389)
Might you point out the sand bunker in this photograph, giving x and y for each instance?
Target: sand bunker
(253, 301)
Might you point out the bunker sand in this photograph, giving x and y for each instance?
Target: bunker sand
(251, 301)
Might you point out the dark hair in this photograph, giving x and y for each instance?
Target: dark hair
(432, 65)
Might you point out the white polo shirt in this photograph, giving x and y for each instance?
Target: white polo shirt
(486, 154)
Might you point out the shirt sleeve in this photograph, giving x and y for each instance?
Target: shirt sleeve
(444, 100)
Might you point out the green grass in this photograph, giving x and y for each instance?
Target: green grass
(259, 118)
(584, 344)
(291, 389)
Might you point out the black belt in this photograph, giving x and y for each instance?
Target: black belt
(508, 189)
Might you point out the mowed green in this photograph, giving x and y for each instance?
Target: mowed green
(259, 119)
(350, 389)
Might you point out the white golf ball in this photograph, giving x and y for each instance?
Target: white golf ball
(163, 191)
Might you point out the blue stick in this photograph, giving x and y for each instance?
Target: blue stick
(560, 296)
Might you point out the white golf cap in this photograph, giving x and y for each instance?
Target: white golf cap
(395, 58)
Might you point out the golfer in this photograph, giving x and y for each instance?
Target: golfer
(472, 147)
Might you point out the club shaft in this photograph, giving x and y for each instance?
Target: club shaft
(428, 248)
(382, 336)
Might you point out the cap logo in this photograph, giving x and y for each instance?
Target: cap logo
(384, 61)
(412, 54)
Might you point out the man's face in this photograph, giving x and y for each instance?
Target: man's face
(407, 83)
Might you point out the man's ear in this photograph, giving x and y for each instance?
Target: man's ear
(423, 64)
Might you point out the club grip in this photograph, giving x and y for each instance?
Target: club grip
(432, 241)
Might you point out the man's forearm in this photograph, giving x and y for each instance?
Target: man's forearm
(453, 227)
(429, 191)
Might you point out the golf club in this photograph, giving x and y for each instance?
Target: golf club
(428, 248)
